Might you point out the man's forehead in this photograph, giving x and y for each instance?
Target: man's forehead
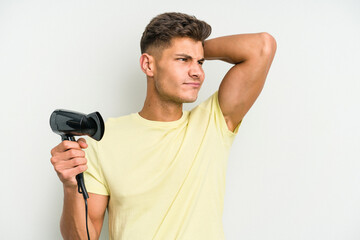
(185, 46)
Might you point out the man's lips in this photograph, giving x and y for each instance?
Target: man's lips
(194, 84)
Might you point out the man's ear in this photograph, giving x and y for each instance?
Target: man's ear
(147, 64)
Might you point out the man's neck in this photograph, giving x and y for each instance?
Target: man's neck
(159, 111)
(160, 117)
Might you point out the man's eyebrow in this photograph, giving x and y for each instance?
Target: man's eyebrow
(183, 55)
(188, 56)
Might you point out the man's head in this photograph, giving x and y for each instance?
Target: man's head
(164, 27)
(172, 57)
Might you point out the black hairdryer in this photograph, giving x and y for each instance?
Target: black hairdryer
(69, 124)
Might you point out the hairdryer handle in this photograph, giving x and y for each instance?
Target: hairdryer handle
(80, 176)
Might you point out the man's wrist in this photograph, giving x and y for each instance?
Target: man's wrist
(70, 189)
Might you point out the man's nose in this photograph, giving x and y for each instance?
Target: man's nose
(196, 70)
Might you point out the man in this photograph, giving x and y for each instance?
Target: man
(161, 171)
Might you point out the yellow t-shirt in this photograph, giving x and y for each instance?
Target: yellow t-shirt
(166, 180)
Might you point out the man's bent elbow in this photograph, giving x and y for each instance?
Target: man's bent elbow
(269, 44)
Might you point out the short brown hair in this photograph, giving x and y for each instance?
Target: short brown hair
(164, 27)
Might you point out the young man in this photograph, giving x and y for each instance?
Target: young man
(161, 171)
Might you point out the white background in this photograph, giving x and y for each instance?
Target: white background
(293, 171)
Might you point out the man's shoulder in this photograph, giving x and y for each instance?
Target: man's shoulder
(120, 121)
(119, 118)
(117, 126)
(205, 104)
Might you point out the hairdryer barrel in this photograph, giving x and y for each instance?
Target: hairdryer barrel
(70, 123)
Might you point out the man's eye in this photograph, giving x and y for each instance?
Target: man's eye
(182, 59)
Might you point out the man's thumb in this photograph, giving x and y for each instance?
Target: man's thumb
(82, 142)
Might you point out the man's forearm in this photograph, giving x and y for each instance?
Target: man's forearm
(238, 48)
(73, 224)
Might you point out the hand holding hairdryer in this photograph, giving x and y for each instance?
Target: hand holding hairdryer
(68, 158)
(69, 124)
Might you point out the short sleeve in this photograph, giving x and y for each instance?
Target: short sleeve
(94, 180)
(227, 135)
(220, 116)
(216, 119)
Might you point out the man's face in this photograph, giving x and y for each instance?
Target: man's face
(178, 74)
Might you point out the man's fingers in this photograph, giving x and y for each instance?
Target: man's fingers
(64, 145)
(67, 155)
(82, 143)
(74, 153)
(69, 160)
(75, 171)
(64, 165)
(68, 174)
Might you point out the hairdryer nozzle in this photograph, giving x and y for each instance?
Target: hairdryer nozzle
(70, 123)
(100, 126)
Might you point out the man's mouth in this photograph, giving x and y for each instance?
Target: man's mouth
(193, 84)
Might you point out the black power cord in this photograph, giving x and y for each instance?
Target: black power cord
(82, 190)
(86, 213)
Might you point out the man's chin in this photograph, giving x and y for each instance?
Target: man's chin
(190, 99)
(186, 98)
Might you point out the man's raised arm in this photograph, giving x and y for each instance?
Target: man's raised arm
(252, 55)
